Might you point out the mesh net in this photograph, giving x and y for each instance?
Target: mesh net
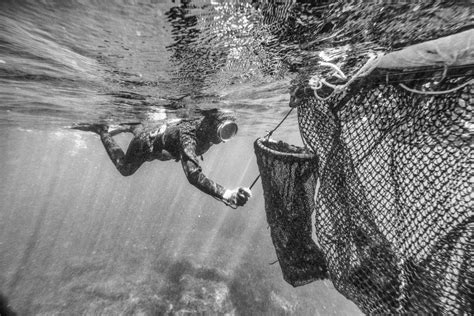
(393, 214)
(289, 205)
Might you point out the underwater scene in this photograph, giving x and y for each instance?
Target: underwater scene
(78, 238)
(180, 223)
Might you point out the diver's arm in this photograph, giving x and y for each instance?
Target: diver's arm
(193, 170)
(197, 178)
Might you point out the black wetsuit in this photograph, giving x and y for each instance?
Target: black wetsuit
(180, 141)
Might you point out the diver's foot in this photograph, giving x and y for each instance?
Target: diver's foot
(95, 128)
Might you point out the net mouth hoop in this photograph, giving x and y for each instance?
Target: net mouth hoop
(284, 150)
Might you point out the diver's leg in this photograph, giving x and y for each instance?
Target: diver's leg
(125, 128)
(125, 164)
(112, 129)
(119, 130)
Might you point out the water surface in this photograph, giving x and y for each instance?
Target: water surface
(78, 238)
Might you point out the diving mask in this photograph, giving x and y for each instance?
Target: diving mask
(227, 130)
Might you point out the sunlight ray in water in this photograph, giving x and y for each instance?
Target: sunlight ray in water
(76, 237)
(243, 241)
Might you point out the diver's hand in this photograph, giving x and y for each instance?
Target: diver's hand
(237, 196)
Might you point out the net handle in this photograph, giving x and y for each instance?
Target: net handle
(268, 137)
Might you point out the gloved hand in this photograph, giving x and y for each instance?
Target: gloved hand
(237, 197)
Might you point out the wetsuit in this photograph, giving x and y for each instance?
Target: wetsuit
(176, 140)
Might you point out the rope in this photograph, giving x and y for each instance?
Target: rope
(316, 83)
(436, 92)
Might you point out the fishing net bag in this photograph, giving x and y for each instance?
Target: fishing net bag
(289, 176)
(394, 213)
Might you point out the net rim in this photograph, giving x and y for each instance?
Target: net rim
(395, 76)
(261, 144)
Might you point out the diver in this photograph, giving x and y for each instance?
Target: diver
(182, 140)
